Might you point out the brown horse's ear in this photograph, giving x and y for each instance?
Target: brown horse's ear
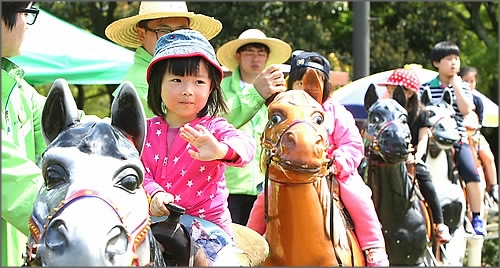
(311, 85)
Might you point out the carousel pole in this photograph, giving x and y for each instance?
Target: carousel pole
(361, 39)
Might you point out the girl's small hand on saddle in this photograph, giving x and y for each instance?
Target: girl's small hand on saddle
(157, 207)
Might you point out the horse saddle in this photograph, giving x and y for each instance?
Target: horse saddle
(174, 236)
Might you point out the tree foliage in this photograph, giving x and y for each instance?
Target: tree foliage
(400, 32)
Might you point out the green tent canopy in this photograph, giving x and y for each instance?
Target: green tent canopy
(53, 48)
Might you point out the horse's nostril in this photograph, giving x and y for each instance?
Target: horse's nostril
(288, 140)
(117, 242)
(56, 235)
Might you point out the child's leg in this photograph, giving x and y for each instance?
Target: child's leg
(429, 192)
(490, 170)
(466, 165)
(256, 220)
(356, 196)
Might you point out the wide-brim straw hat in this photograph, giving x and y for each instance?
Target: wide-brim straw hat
(123, 31)
(279, 51)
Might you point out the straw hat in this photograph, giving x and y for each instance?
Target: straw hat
(403, 77)
(279, 51)
(123, 31)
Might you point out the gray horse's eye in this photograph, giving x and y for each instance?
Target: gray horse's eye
(374, 119)
(128, 179)
(403, 119)
(55, 175)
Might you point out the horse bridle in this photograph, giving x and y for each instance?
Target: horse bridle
(374, 140)
(137, 235)
(375, 147)
(272, 156)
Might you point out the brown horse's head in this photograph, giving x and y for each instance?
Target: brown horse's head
(295, 138)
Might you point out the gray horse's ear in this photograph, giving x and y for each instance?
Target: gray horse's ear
(127, 114)
(426, 97)
(399, 95)
(447, 97)
(370, 96)
(60, 110)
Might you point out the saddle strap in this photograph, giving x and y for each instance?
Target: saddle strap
(331, 177)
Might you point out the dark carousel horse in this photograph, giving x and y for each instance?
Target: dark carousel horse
(403, 216)
(92, 209)
(305, 222)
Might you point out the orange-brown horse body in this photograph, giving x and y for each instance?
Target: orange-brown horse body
(300, 229)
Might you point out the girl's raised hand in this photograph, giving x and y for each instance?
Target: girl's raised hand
(209, 148)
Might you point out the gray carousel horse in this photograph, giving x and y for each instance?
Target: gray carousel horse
(448, 187)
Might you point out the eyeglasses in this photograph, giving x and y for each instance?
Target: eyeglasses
(30, 13)
(164, 31)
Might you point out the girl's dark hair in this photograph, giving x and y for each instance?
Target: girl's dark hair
(466, 69)
(10, 10)
(413, 106)
(443, 49)
(184, 67)
(297, 74)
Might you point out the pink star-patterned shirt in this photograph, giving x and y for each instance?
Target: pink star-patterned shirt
(198, 186)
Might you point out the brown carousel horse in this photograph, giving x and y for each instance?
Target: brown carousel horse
(305, 221)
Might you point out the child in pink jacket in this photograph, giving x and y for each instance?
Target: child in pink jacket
(346, 146)
(187, 147)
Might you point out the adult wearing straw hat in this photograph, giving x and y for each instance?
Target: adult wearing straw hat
(246, 91)
(141, 31)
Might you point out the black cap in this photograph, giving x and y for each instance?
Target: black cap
(303, 59)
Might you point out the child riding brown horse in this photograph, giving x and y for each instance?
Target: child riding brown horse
(305, 224)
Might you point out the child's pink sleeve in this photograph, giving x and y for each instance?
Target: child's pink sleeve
(256, 220)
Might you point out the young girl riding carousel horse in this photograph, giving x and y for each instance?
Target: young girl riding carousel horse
(347, 151)
(187, 146)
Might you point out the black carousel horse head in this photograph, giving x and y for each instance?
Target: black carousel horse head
(92, 209)
(387, 134)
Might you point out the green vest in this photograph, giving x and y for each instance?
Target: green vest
(247, 112)
(137, 75)
(22, 146)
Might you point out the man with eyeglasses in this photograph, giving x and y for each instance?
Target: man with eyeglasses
(246, 91)
(22, 140)
(141, 31)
